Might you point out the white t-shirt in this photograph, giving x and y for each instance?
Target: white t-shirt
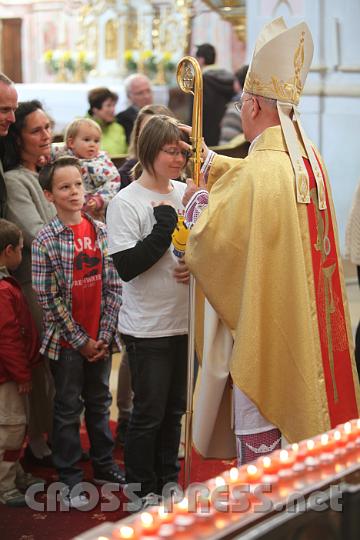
(154, 304)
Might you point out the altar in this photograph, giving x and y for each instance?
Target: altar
(66, 101)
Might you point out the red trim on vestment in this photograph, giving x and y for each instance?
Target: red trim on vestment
(335, 347)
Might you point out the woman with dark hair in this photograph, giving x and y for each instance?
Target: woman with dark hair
(102, 103)
(143, 220)
(25, 146)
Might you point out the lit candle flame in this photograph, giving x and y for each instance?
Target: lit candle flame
(347, 428)
(266, 462)
(184, 504)
(234, 474)
(310, 444)
(324, 439)
(337, 435)
(252, 470)
(163, 514)
(146, 519)
(220, 523)
(219, 481)
(295, 447)
(126, 532)
(284, 455)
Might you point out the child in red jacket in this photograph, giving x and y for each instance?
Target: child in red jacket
(19, 350)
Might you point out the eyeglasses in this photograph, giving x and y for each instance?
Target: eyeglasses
(174, 152)
(238, 104)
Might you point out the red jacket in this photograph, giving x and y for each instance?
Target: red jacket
(19, 339)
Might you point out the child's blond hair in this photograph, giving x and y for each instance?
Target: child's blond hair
(73, 128)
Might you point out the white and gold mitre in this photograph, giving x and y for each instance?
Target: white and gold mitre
(278, 70)
(280, 62)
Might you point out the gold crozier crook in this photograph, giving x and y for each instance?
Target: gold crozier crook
(189, 78)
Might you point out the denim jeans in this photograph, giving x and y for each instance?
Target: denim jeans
(80, 383)
(158, 369)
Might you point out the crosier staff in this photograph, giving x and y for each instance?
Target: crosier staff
(189, 78)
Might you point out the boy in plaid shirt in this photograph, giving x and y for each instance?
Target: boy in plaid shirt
(80, 293)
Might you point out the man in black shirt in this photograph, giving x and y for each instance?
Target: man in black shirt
(218, 91)
(139, 93)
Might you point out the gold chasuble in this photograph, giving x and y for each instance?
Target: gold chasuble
(270, 268)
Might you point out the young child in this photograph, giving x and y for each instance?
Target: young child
(19, 351)
(101, 177)
(80, 293)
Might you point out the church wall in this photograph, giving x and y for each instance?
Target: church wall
(330, 105)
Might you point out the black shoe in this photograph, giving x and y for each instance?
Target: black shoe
(30, 458)
(113, 476)
(121, 431)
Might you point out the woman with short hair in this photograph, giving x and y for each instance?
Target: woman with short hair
(102, 103)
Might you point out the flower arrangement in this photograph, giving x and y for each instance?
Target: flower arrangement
(68, 64)
(152, 63)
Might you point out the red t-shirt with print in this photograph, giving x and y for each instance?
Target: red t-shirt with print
(87, 274)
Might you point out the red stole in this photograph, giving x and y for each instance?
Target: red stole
(335, 347)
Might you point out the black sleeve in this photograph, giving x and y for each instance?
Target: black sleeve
(134, 261)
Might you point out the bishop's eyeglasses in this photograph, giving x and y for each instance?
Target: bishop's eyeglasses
(238, 104)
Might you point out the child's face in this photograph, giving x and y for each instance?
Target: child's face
(67, 190)
(14, 255)
(86, 143)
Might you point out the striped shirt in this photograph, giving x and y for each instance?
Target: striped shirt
(52, 276)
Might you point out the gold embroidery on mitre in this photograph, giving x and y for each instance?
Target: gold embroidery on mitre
(298, 65)
(288, 91)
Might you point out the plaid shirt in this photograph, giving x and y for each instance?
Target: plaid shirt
(52, 275)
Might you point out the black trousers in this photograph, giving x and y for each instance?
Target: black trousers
(158, 369)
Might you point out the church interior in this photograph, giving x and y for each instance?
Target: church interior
(56, 51)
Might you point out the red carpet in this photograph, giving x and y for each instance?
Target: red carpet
(28, 524)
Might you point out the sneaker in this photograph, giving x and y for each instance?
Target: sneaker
(13, 497)
(150, 500)
(25, 480)
(121, 431)
(113, 476)
(73, 501)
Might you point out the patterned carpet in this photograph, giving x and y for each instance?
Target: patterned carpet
(51, 523)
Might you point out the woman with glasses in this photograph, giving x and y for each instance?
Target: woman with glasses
(153, 317)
